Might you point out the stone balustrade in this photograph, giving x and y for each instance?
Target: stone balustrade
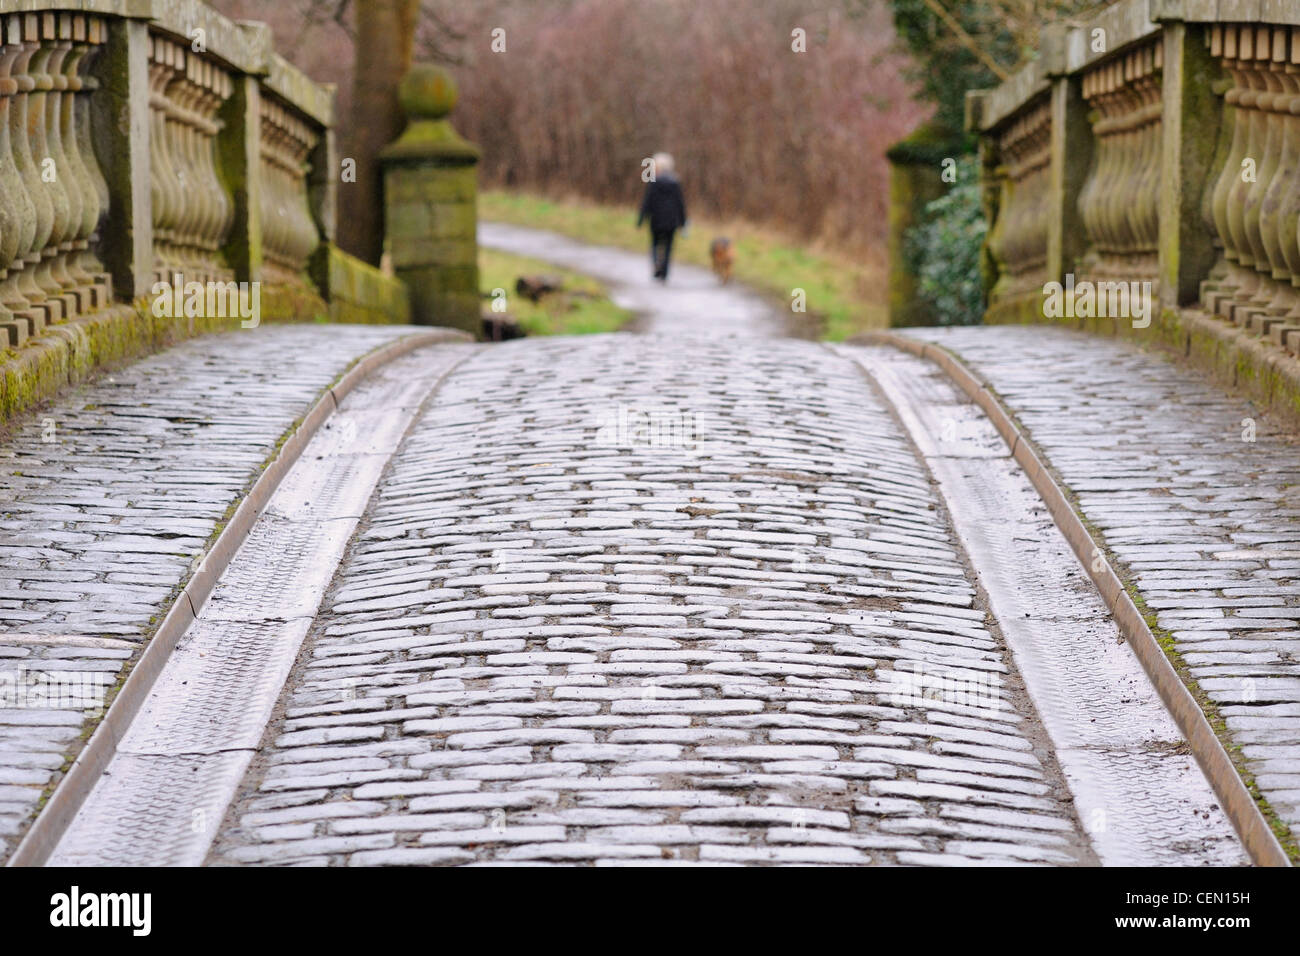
(1118, 204)
(192, 214)
(1253, 203)
(289, 232)
(54, 195)
(1172, 157)
(1018, 240)
(141, 140)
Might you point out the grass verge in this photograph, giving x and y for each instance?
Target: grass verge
(583, 307)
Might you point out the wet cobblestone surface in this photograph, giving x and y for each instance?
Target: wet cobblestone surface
(106, 498)
(1196, 496)
(610, 606)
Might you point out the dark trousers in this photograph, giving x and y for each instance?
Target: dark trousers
(661, 249)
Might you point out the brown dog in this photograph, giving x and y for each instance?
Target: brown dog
(724, 257)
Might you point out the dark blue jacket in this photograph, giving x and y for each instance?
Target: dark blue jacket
(664, 204)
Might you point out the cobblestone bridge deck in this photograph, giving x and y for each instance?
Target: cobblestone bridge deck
(660, 598)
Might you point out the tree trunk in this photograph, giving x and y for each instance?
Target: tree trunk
(385, 40)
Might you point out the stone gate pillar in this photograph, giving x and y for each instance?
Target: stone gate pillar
(430, 205)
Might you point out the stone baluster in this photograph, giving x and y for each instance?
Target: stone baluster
(1288, 197)
(1254, 203)
(98, 208)
(1118, 204)
(306, 233)
(1246, 176)
(1146, 219)
(164, 185)
(1276, 297)
(181, 151)
(185, 148)
(85, 282)
(1227, 275)
(217, 88)
(198, 212)
(289, 232)
(1018, 240)
(45, 154)
(59, 39)
(1264, 249)
(1116, 199)
(39, 226)
(206, 209)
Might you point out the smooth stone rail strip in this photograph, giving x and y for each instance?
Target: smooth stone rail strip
(109, 498)
(174, 772)
(1137, 787)
(1193, 497)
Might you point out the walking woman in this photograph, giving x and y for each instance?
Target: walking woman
(665, 206)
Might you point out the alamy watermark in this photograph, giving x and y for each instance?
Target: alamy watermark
(917, 684)
(1100, 300)
(662, 426)
(27, 689)
(179, 299)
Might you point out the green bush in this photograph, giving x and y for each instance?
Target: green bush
(944, 251)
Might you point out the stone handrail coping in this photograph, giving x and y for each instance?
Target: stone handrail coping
(314, 100)
(1066, 49)
(246, 45)
(986, 109)
(1280, 12)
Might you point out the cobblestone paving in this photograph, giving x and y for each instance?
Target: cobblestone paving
(1204, 521)
(610, 606)
(106, 498)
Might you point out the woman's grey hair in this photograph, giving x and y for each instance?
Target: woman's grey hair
(663, 164)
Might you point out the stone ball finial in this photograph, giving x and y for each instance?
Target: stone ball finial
(427, 92)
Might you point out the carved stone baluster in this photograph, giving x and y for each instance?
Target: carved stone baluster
(1042, 141)
(1261, 234)
(85, 201)
(1088, 192)
(1011, 237)
(17, 211)
(43, 153)
(180, 155)
(1119, 202)
(269, 206)
(1225, 278)
(1110, 102)
(307, 231)
(225, 89)
(36, 231)
(1276, 206)
(207, 191)
(997, 236)
(1124, 201)
(79, 180)
(272, 206)
(184, 95)
(61, 243)
(1246, 278)
(164, 185)
(1146, 259)
(203, 138)
(219, 88)
(1288, 220)
(90, 263)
